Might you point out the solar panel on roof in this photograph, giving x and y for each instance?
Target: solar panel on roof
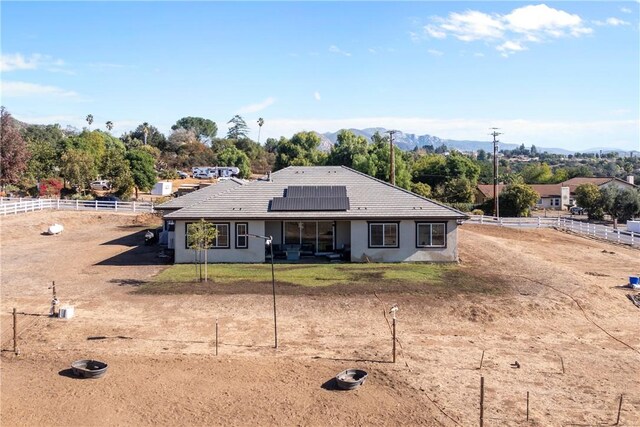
(312, 198)
(310, 204)
(316, 191)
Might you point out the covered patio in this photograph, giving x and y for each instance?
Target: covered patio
(308, 239)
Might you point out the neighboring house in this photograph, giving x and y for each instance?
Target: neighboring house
(556, 196)
(552, 196)
(317, 211)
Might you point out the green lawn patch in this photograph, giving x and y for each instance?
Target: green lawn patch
(307, 279)
(306, 275)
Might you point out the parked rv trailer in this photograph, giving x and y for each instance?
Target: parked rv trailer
(214, 171)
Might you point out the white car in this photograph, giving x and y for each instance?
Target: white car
(100, 185)
(204, 175)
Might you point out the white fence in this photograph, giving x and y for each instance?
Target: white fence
(9, 206)
(593, 230)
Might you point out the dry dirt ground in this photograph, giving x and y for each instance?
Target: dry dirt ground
(561, 314)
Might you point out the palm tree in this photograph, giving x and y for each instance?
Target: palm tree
(109, 125)
(145, 130)
(260, 123)
(89, 120)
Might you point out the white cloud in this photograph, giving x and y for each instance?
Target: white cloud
(14, 89)
(509, 32)
(336, 49)
(614, 22)
(17, 61)
(510, 47)
(625, 10)
(316, 96)
(541, 18)
(373, 51)
(254, 108)
(611, 22)
(478, 55)
(472, 25)
(434, 32)
(435, 52)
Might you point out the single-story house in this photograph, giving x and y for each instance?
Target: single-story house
(556, 196)
(316, 211)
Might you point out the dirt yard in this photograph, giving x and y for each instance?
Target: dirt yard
(562, 315)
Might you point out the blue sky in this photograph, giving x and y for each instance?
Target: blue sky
(555, 74)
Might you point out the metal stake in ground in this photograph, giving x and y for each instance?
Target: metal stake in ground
(393, 311)
(481, 401)
(15, 331)
(527, 406)
(216, 336)
(619, 409)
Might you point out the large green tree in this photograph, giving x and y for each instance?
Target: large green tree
(300, 150)
(588, 197)
(115, 168)
(349, 148)
(517, 200)
(78, 168)
(13, 150)
(92, 142)
(142, 169)
(204, 129)
(146, 132)
(231, 156)
(621, 204)
(537, 173)
(238, 129)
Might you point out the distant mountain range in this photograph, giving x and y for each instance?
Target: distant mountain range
(409, 141)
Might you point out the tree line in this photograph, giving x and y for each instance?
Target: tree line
(36, 154)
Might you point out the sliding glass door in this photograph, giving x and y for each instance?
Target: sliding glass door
(317, 236)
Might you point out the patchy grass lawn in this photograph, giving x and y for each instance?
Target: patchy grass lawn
(307, 275)
(322, 278)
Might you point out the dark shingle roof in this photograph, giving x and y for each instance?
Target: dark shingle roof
(368, 198)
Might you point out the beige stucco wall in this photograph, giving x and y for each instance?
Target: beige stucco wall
(254, 253)
(407, 250)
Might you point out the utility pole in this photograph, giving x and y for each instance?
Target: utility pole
(392, 155)
(496, 204)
